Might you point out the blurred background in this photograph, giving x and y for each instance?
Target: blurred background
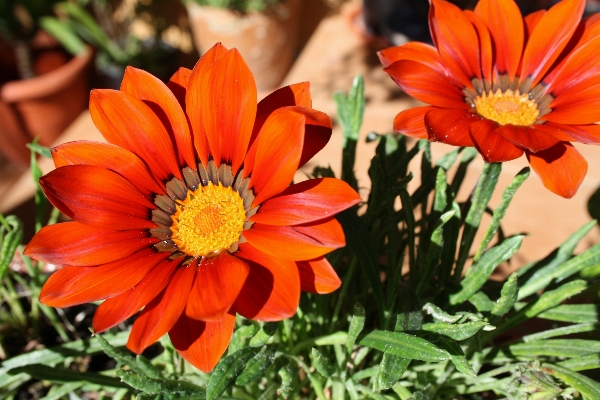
(53, 52)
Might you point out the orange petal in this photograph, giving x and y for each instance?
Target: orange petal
(426, 84)
(161, 314)
(202, 343)
(531, 21)
(272, 290)
(96, 196)
(287, 96)
(279, 147)
(549, 38)
(178, 84)
(456, 40)
(216, 286)
(580, 66)
(411, 122)
(162, 101)
(486, 48)
(420, 52)
(318, 276)
(117, 309)
(450, 126)
(194, 96)
(526, 137)
(72, 243)
(317, 132)
(507, 32)
(128, 122)
(228, 101)
(561, 168)
(588, 134)
(70, 286)
(111, 157)
(575, 106)
(307, 201)
(300, 242)
(491, 145)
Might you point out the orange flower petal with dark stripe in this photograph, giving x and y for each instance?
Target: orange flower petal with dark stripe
(187, 212)
(506, 85)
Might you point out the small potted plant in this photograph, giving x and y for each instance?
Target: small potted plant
(265, 32)
(43, 88)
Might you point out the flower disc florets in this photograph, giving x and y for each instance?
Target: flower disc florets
(205, 214)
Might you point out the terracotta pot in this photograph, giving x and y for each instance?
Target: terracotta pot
(42, 106)
(267, 41)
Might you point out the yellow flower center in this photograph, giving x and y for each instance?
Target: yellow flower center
(208, 221)
(509, 107)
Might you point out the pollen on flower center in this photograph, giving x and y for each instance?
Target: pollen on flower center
(508, 107)
(208, 221)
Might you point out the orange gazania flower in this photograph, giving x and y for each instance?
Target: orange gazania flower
(188, 211)
(507, 85)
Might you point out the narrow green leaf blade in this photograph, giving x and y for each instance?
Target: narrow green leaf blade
(357, 324)
(390, 371)
(227, 370)
(404, 345)
(158, 386)
(576, 313)
(500, 211)
(256, 366)
(359, 240)
(322, 363)
(457, 331)
(590, 361)
(508, 296)
(479, 273)
(586, 386)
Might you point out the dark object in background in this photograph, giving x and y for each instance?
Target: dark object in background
(399, 21)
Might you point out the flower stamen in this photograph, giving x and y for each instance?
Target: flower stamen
(508, 107)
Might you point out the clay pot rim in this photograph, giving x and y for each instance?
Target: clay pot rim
(46, 84)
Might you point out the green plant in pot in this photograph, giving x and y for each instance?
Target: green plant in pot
(265, 32)
(43, 88)
(116, 46)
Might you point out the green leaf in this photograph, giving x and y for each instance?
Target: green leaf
(589, 361)
(562, 331)
(351, 109)
(11, 235)
(457, 355)
(440, 201)
(357, 324)
(555, 348)
(577, 313)
(535, 277)
(256, 366)
(62, 375)
(55, 355)
(140, 364)
(322, 363)
(457, 331)
(390, 371)
(500, 211)
(508, 296)
(434, 251)
(479, 273)
(227, 370)
(404, 345)
(360, 242)
(546, 301)
(427, 393)
(589, 388)
(287, 373)
(483, 192)
(158, 386)
(265, 333)
(64, 34)
(241, 337)
(482, 302)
